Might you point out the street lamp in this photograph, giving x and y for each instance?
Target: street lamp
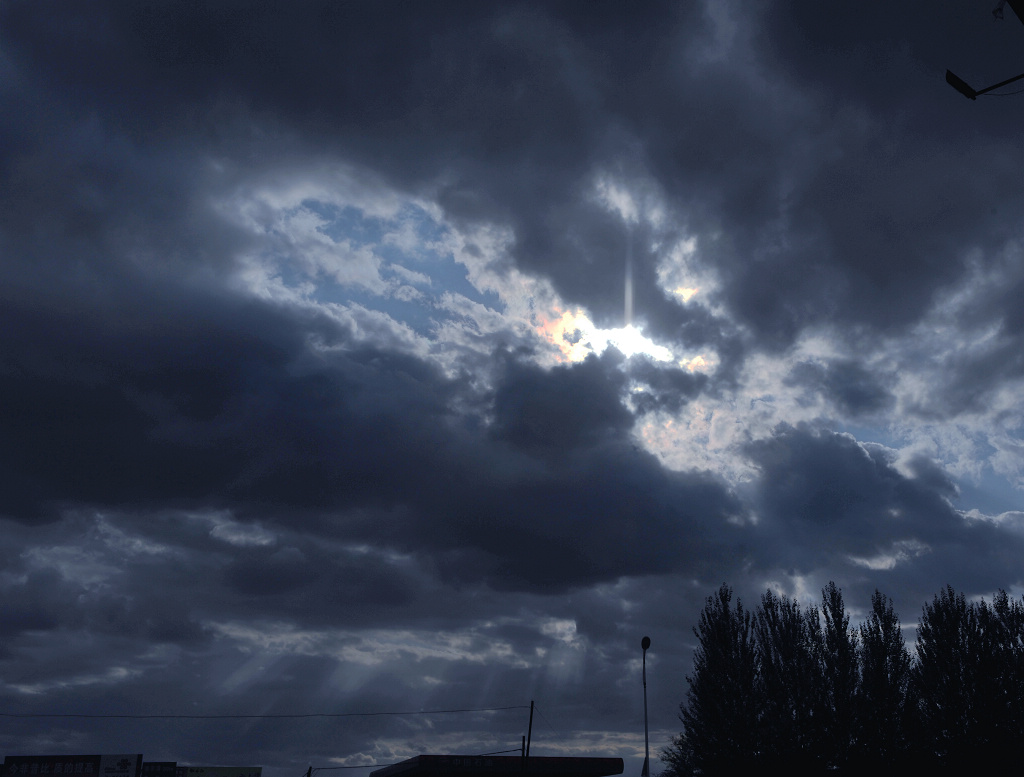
(961, 86)
(644, 644)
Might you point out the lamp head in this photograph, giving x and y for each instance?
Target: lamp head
(960, 85)
(645, 643)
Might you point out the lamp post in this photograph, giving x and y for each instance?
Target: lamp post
(961, 86)
(644, 644)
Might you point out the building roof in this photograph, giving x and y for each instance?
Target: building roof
(500, 766)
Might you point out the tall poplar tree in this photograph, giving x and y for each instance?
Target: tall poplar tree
(720, 712)
(791, 686)
(840, 677)
(795, 691)
(882, 709)
(1000, 685)
(946, 679)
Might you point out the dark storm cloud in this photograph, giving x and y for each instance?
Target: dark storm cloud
(215, 402)
(509, 107)
(827, 500)
(220, 403)
(853, 390)
(214, 500)
(975, 375)
(815, 221)
(899, 195)
(566, 408)
(809, 219)
(840, 496)
(127, 407)
(663, 387)
(852, 202)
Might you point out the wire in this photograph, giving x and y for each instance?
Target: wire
(553, 729)
(243, 717)
(499, 752)
(1000, 94)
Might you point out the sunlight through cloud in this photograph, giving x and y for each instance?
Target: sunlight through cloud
(576, 337)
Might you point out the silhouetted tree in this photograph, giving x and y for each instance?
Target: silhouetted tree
(969, 680)
(885, 665)
(795, 691)
(720, 712)
(1000, 684)
(946, 677)
(839, 674)
(790, 685)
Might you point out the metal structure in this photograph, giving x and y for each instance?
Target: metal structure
(962, 86)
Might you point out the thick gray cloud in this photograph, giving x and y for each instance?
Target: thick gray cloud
(317, 394)
(853, 389)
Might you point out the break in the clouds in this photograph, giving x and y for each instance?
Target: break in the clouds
(363, 357)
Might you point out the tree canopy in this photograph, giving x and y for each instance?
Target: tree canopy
(796, 688)
(720, 714)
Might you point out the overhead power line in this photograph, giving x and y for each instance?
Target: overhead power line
(545, 717)
(243, 717)
(1003, 94)
(499, 752)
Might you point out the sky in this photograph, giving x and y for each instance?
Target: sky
(396, 357)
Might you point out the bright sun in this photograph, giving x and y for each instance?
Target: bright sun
(630, 341)
(576, 336)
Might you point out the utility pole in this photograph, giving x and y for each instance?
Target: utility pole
(644, 644)
(529, 730)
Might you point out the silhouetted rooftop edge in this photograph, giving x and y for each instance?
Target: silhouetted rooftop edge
(485, 766)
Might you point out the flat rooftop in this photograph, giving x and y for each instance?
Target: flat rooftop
(499, 766)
